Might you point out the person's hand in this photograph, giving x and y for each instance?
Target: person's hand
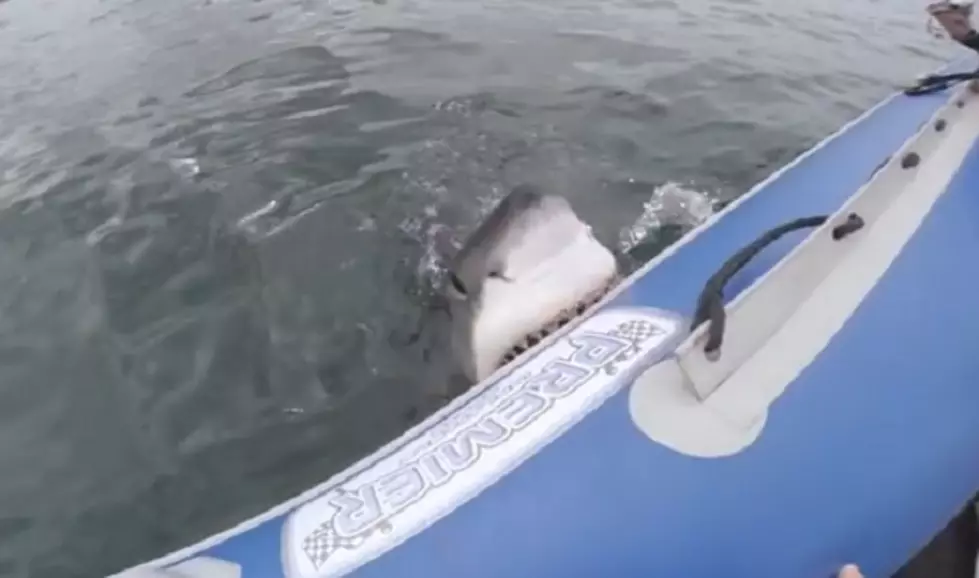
(850, 571)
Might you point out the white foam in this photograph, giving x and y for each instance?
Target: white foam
(671, 203)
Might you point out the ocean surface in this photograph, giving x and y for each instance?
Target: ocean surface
(222, 221)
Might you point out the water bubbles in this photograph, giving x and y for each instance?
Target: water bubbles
(95, 236)
(367, 225)
(186, 167)
(436, 240)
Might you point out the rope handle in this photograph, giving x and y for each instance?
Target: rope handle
(710, 303)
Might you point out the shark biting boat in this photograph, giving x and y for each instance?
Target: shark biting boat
(790, 387)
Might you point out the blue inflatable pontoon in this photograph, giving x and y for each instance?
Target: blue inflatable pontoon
(822, 409)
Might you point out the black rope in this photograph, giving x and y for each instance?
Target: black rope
(937, 82)
(710, 304)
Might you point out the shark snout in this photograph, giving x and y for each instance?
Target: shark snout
(531, 267)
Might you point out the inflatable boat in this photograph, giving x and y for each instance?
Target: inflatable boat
(790, 387)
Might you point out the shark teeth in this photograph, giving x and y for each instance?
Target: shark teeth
(530, 340)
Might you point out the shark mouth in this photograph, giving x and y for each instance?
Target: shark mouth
(565, 317)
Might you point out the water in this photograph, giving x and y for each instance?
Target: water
(222, 220)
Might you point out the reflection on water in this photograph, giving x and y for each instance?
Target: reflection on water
(222, 222)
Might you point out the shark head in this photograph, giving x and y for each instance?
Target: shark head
(529, 268)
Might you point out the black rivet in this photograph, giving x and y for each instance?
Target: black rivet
(853, 223)
(940, 124)
(960, 103)
(910, 161)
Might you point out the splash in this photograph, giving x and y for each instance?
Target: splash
(670, 204)
(439, 239)
(458, 176)
(455, 178)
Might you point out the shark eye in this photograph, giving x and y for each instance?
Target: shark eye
(457, 284)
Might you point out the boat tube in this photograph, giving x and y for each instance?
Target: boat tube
(790, 387)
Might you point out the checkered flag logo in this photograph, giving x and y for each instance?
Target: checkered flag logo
(636, 331)
(325, 541)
